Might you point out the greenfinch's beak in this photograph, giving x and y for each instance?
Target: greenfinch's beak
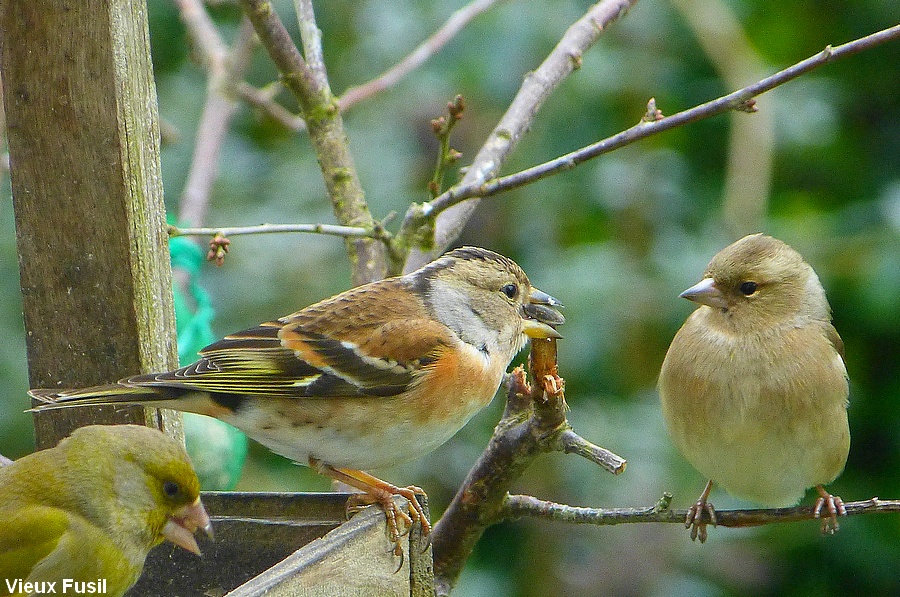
(706, 292)
(541, 315)
(180, 527)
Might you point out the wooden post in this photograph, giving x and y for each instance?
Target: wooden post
(90, 222)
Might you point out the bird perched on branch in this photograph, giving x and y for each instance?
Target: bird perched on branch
(90, 509)
(376, 375)
(753, 387)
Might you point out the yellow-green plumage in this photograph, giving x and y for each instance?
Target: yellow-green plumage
(92, 507)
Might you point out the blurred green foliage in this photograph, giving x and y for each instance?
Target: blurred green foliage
(616, 240)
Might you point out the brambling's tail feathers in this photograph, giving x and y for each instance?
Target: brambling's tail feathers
(105, 394)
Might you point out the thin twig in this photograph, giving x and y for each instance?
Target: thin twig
(565, 58)
(211, 48)
(262, 100)
(738, 100)
(330, 229)
(572, 443)
(446, 155)
(521, 506)
(456, 23)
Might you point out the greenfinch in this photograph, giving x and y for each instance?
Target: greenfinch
(82, 516)
(754, 387)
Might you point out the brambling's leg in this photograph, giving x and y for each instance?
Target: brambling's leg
(694, 519)
(382, 493)
(835, 506)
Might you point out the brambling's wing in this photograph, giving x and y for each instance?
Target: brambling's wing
(379, 340)
(355, 344)
(383, 361)
(251, 362)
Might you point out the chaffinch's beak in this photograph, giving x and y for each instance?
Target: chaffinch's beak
(706, 292)
(184, 522)
(541, 315)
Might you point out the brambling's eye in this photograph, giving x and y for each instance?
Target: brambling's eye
(748, 288)
(171, 488)
(510, 290)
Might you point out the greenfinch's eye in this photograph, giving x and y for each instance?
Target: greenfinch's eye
(171, 488)
(748, 288)
(510, 290)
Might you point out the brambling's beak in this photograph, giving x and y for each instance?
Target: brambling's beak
(706, 292)
(180, 527)
(541, 315)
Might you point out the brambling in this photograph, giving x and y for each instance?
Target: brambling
(753, 387)
(376, 375)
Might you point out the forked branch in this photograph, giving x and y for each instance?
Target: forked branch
(534, 422)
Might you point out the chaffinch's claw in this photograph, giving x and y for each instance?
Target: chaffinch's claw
(835, 507)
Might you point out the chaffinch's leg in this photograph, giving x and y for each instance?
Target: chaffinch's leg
(835, 507)
(694, 519)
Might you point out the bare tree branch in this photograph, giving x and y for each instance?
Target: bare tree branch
(431, 46)
(263, 100)
(534, 422)
(211, 48)
(572, 443)
(739, 100)
(521, 506)
(330, 229)
(326, 132)
(538, 85)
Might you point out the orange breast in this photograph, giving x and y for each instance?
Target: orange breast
(456, 386)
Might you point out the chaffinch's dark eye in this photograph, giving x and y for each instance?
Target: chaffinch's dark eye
(171, 488)
(748, 288)
(510, 290)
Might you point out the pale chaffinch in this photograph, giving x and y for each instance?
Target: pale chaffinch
(753, 387)
(82, 516)
(377, 375)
